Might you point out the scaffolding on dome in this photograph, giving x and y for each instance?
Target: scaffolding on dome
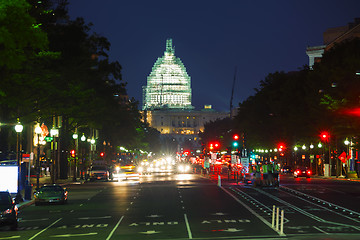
(168, 85)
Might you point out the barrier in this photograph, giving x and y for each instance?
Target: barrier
(275, 220)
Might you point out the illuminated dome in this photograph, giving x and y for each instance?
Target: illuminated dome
(168, 85)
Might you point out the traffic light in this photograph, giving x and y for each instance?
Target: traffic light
(102, 154)
(281, 147)
(72, 152)
(236, 137)
(324, 136)
(235, 143)
(214, 145)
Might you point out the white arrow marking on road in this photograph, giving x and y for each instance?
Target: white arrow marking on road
(86, 218)
(233, 230)
(34, 220)
(12, 237)
(75, 235)
(150, 232)
(219, 214)
(154, 216)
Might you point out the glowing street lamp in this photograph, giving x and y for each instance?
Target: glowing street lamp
(75, 136)
(18, 129)
(83, 138)
(38, 131)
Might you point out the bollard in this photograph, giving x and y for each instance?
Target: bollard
(282, 222)
(219, 181)
(273, 217)
(277, 219)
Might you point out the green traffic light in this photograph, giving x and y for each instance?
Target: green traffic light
(235, 144)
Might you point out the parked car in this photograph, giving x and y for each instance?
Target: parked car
(302, 172)
(51, 194)
(286, 170)
(8, 211)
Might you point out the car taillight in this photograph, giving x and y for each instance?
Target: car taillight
(309, 172)
(297, 171)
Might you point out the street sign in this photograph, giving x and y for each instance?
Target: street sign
(49, 139)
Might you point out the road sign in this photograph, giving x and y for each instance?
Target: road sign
(49, 139)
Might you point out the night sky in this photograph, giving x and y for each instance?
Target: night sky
(212, 38)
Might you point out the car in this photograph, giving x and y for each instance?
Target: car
(99, 172)
(128, 172)
(302, 172)
(8, 211)
(286, 170)
(53, 193)
(184, 168)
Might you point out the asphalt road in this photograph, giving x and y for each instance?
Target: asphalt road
(189, 206)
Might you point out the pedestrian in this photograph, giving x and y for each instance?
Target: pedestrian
(276, 174)
(265, 173)
(257, 175)
(207, 165)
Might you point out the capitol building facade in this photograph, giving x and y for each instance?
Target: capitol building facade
(167, 102)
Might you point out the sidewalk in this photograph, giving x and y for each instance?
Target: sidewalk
(42, 181)
(340, 178)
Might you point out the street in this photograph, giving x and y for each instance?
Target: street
(191, 206)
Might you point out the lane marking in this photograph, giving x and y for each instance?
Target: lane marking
(188, 226)
(75, 235)
(310, 215)
(116, 226)
(87, 218)
(45, 229)
(252, 211)
(320, 230)
(321, 200)
(34, 220)
(12, 237)
(150, 232)
(154, 216)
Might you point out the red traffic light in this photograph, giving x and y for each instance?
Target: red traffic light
(214, 145)
(236, 137)
(324, 136)
(102, 154)
(72, 152)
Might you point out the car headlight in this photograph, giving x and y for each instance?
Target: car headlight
(140, 169)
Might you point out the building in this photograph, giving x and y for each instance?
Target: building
(168, 85)
(332, 36)
(167, 102)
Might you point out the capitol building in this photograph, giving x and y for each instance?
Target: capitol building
(167, 102)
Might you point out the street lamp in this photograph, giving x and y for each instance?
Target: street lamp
(38, 131)
(18, 128)
(55, 165)
(76, 138)
(83, 139)
(347, 143)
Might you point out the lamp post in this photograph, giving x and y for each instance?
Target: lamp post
(92, 142)
(38, 132)
(347, 143)
(54, 133)
(295, 149)
(18, 128)
(83, 139)
(76, 138)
